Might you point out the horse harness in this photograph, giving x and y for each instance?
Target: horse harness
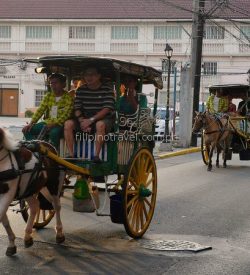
(13, 173)
(222, 128)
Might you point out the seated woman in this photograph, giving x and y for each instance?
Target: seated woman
(130, 100)
(231, 106)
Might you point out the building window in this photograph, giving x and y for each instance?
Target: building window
(81, 32)
(167, 32)
(37, 32)
(210, 68)
(245, 32)
(214, 32)
(124, 32)
(39, 95)
(5, 32)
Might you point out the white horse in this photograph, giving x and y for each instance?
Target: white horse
(13, 186)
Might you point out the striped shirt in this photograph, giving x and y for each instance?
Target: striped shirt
(90, 102)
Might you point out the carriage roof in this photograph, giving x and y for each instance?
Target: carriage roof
(233, 90)
(74, 65)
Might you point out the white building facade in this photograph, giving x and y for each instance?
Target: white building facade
(226, 51)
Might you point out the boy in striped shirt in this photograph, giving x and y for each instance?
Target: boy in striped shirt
(93, 110)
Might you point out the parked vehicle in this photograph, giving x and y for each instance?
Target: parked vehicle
(160, 123)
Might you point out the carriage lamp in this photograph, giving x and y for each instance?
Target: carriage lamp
(168, 52)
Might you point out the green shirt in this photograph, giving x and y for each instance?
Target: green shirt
(127, 108)
(64, 108)
(222, 105)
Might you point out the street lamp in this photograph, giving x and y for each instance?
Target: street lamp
(168, 52)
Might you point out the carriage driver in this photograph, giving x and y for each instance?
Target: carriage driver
(57, 106)
(93, 109)
(217, 103)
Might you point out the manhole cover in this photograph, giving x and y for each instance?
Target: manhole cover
(173, 245)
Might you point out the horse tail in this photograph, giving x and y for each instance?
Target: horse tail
(4, 187)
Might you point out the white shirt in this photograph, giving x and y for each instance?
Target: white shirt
(216, 103)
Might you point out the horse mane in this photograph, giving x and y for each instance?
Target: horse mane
(7, 140)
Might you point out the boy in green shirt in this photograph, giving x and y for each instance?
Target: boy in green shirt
(58, 104)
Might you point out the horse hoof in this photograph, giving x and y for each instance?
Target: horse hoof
(28, 243)
(224, 166)
(60, 239)
(209, 168)
(10, 251)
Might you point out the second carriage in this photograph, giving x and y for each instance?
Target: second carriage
(239, 120)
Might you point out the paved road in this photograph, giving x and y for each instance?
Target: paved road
(211, 208)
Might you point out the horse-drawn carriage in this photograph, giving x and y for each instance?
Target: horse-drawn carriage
(127, 152)
(230, 131)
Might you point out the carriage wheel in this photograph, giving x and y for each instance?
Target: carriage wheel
(139, 193)
(204, 151)
(43, 217)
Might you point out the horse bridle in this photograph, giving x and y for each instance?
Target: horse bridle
(203, 121)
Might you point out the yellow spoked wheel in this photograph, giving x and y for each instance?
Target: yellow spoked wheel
(42, 218)
(139, 193)
(204, 151)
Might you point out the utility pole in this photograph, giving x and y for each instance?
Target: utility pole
(196, 55)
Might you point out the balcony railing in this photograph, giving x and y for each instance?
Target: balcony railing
(38, 46)
(5, 46)
(81, 47)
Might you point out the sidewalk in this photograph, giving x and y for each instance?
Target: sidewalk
(13, 121)
(15, 125)
(177, 151)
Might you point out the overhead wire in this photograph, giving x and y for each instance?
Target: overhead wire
(228, 31)
(240, 10)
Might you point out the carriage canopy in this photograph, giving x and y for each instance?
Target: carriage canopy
(74, 65)
(233, 90)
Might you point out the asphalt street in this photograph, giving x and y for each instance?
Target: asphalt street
(210, 208)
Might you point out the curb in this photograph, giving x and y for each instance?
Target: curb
(179, 153)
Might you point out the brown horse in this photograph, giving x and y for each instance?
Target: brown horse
(38, 174)
(217, 134)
